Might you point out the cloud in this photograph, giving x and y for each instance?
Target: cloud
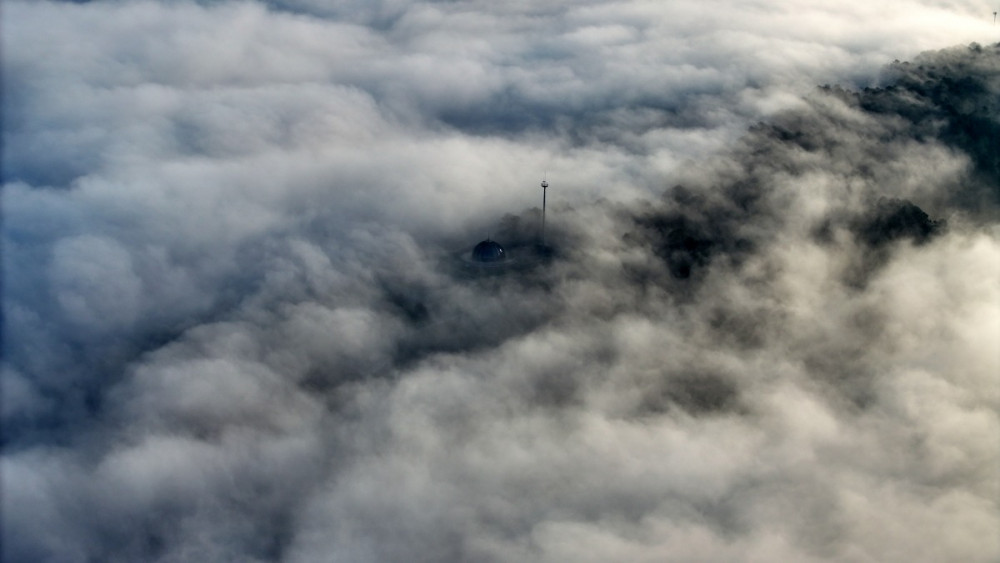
(238, 324)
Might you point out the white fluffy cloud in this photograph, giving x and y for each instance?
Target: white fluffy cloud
(236, 326)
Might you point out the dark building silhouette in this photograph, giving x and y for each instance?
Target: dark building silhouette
(488, 252)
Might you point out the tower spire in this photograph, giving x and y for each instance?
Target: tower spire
(545, 186)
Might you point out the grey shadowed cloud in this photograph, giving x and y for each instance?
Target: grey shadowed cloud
(236, 326)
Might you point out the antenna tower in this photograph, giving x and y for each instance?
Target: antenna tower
(545, 186)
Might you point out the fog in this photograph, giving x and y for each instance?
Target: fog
(241, 323)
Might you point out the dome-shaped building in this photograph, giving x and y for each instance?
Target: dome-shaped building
(488, 252)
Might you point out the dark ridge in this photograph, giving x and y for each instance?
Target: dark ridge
(689, 229)
(680, 243)
(894, 219)
(952, 95)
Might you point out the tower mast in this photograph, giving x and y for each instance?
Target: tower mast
(545, 185)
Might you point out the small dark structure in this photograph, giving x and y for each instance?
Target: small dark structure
(488, 252)
(527, 249)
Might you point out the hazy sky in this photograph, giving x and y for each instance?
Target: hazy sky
(237, 325)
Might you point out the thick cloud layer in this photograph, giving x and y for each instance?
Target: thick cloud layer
(239, 323)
